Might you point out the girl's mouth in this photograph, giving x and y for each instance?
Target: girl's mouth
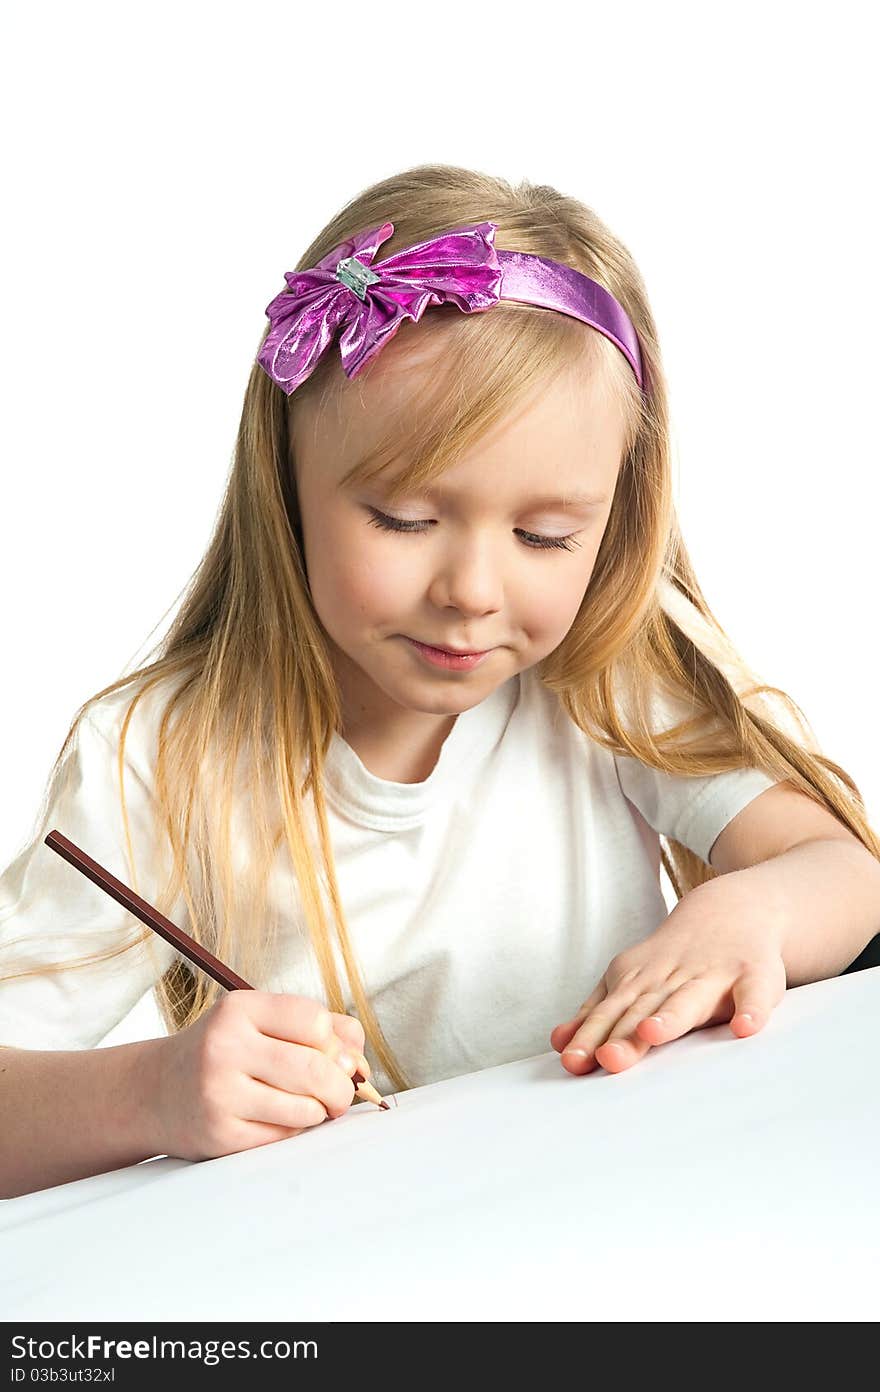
(439, 657)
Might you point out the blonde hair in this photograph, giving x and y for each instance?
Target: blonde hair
(252, 678)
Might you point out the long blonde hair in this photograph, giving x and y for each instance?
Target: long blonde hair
(246, 656)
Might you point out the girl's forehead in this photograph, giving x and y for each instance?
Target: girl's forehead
(534, 462)
(392, 390)
(571, 422)
(364, 409)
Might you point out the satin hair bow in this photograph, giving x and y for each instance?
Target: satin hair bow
(370, 299)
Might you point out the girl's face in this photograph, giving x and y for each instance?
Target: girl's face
(492, 564)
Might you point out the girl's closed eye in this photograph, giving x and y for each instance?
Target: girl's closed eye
(535, 543)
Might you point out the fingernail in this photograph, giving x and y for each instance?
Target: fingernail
(347, 1062)
(576, 1053)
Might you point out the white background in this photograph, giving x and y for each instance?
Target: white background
(165, 166)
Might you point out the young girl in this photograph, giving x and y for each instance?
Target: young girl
(454, 437)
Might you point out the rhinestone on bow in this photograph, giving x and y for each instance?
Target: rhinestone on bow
(356, 275)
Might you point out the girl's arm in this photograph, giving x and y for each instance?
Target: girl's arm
(65, 1115)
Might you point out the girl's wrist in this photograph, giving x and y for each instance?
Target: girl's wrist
(139, 1113)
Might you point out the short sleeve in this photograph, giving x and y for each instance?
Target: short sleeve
(51, 913)
(693, 811)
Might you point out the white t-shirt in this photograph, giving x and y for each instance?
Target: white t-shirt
(484, 903)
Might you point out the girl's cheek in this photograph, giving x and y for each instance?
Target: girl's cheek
(552, 605)
(373, 590)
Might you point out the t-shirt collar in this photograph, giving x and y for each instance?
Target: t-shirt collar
(376, 802)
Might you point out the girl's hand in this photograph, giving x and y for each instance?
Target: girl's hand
(717, 957)
(256, 1067)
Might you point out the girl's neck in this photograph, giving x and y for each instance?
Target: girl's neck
(411, 760)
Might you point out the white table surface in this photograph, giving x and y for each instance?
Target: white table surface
(717, 1179)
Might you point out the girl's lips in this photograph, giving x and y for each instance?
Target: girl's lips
(440, 657)
(453, 652)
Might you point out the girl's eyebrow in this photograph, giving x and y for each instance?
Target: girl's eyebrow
(572, 502)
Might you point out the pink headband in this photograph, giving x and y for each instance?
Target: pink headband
(370, 301)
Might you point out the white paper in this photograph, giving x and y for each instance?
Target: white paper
(717, 1179)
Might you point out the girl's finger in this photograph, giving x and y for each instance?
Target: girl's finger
(642, 1007)
(350, 1033)
(561, 1034)
(689, 1007)
(754, 997)
(589, 1044)
(617, 1054)
(349, 1030)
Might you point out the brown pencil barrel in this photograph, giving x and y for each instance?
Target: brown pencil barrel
(146, 913)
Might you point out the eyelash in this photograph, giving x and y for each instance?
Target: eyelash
(395, 524)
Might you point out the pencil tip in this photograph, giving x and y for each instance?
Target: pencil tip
(386, 1107)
